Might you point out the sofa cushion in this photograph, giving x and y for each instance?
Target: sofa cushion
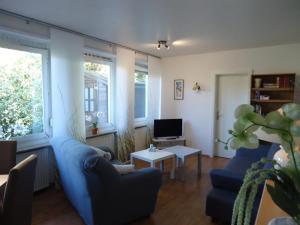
(101, 152)
(239, 165)
(107, 149)
(117, 162)
(106, 171)
(124, 169)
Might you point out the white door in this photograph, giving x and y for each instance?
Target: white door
(232, 90)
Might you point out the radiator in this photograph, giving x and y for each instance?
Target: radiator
(108, 139)
(42, 175)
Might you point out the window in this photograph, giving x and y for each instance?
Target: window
(23, 93)
(97, 92)
(141, 83)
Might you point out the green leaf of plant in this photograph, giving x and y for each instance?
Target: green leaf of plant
(295, 129)
(285, 136)
(282, 199)
(241, 124)
(269, 130)
(292, 111)
(243, 110)
(253, 129)
(256, 118)
(286, 145)
(276, 120)
(291, 174)
(235, 143)
(251, 141)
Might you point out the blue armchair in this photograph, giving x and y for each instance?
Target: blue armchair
(226, 182)
(97, 191)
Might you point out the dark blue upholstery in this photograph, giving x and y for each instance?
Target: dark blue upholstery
(226, 182)
(271, 153)
(97, 191)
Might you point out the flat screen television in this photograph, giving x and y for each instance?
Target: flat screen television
(168, 128)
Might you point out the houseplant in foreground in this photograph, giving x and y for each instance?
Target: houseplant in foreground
(286, 189)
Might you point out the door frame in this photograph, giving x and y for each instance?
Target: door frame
(215, 83)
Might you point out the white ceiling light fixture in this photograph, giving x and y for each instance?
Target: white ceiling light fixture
(182, 42)
(162, 43)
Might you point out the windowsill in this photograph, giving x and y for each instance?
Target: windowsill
(102, 132)
(33, 148)
(140, 122)
(140, 126)
(29, 144)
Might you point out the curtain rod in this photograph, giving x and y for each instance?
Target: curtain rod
(30, 19)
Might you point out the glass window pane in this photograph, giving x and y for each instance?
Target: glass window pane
(140, 94)
(21, 93)
(86, 93)
(97, 78)
(91, 93)
(92, 109)
(86, 106)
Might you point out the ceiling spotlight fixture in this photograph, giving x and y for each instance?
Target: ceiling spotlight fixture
(163, 43)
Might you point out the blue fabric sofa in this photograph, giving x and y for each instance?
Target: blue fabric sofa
(97, 191)
(226, 182)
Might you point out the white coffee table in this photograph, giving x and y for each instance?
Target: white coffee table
(3, 179)
(153, 157)
(182, 152)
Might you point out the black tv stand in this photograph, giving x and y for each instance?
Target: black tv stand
(168, 142)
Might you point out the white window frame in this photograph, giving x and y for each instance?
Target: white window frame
(41, 139)
(105, 127)
(142, 121)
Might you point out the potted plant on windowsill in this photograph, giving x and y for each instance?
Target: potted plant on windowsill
(286, 178)
(94, 128)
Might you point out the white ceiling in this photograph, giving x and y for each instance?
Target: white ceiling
(198, 26)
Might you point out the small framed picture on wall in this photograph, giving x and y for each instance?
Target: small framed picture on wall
(178, 89)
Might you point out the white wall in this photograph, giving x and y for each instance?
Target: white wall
(197, 108)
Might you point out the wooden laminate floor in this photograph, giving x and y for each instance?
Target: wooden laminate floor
(179, 203)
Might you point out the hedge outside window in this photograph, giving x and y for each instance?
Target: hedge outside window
(22, 84)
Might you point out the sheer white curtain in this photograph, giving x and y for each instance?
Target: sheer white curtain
(154, 94)
(67, 84)
(124, 102)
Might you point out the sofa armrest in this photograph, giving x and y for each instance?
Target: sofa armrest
(226, 179)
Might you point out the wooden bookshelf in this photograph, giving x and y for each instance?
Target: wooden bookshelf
(270, 91)
(273, 101)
